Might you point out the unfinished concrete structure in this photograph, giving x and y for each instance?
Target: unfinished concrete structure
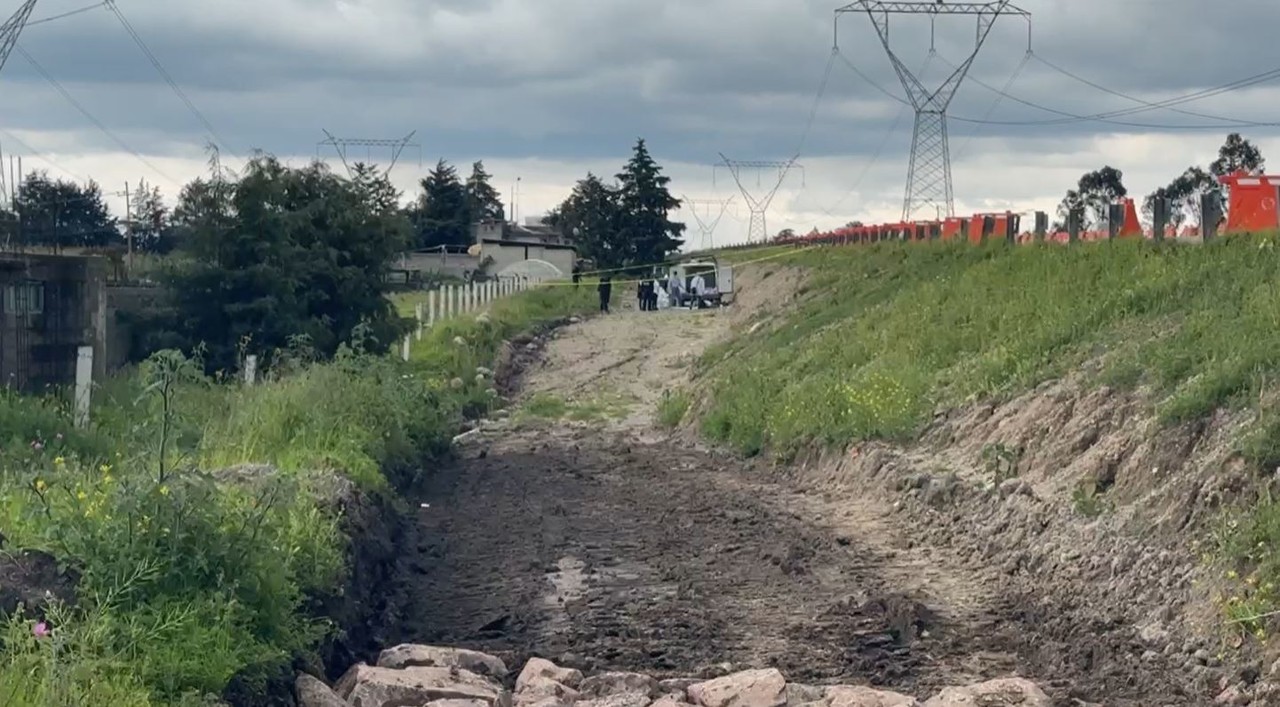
(50, 305)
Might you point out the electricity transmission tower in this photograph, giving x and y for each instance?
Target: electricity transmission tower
(758, 231)
(929, 174)
(12, 27)
(706, 229)
(397, 146)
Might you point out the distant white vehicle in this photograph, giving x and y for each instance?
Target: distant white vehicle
(717, 280)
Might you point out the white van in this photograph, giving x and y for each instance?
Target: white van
(717, 276)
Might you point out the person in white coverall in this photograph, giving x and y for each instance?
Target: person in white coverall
(696, 288)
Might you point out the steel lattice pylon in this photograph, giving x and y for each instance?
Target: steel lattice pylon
(757, 230)
(706, 229)
(929, 174)
(396, 146)
(12, 27)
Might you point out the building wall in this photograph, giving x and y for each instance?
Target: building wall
(505, 255)
(38, 348)
(455, 264)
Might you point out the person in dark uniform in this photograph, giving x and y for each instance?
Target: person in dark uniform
(605, 288)
(642, 294)
(577, 273)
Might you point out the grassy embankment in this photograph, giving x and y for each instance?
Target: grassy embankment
(187, 578)
(884, 335)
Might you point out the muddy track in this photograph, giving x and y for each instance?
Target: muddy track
(592, 547)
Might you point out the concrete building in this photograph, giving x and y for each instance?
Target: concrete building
(531, 249)
(50, 306)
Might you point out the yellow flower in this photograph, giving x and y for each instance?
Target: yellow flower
(105, 469)
(82, 495)
(164, 490)
(40, 485)
(59, 461)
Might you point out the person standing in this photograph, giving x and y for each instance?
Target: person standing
(605, 288)
(642, 294)
(696, 288)
(673, 289)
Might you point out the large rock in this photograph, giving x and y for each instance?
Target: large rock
(542, 668)
(409, 655)
(856, 696)
(617, 683)
(621, 699)
(749, 688)
(456, 703)
(1005, 692)
(366, 686)
(313, 693)
(542, 691)
(671, 700)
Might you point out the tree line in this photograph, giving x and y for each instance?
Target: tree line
(59, 213)
(275, 257)
(1096, 190)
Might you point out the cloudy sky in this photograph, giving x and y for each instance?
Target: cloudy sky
(547, 90)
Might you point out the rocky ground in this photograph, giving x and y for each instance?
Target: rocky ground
(427, 676)
(606, 544)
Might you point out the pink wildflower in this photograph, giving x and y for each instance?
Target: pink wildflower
(37, 445)
(40, 630)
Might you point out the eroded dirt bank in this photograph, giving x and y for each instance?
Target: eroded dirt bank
(609, 545)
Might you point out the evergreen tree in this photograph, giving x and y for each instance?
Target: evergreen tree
(645, 231)
(152, 231)
(589, 218)
(59, 213)
(440, 214)
(483, 201)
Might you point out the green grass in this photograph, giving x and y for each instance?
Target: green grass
(189, 578)
(886, 333)
(597, 407)
(672, 408)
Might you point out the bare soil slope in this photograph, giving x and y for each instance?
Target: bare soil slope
(608, 544)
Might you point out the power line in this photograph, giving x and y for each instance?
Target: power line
(1026, 59)
(1098, 117)
(72, 13)
(124, 22)
(90, 116)
(817, 99)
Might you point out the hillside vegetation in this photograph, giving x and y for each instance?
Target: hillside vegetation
(188, 578)
(881, 337)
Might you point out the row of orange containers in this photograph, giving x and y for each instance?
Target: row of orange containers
(1253, 205)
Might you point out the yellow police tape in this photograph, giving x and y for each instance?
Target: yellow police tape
(790, 250)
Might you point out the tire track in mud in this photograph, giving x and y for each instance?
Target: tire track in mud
(608, 555)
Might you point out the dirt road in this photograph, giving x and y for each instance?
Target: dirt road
(602, 544)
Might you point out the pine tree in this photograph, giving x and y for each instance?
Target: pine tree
(440, 214)
(483, 201)
(645, 232)
(589, 218)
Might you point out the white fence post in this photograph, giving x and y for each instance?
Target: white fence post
(451, 302)
(250, 369)
(431, 307)
(417, 313)
(84, 385)
(404, 347)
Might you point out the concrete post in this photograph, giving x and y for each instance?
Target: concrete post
(250, 369)
(404, 348)
(84, 385)
(1210, 215)
(417, 313)
(1073, 227)
(1115, 219)
(1042, 226)
(431, 307)
(1159, 219)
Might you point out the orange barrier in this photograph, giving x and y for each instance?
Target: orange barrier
(1252, 202)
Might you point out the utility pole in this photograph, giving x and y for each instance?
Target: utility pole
(706, 230)
(128, 225)
(340, 146)
(758, 230)
(929, 173)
